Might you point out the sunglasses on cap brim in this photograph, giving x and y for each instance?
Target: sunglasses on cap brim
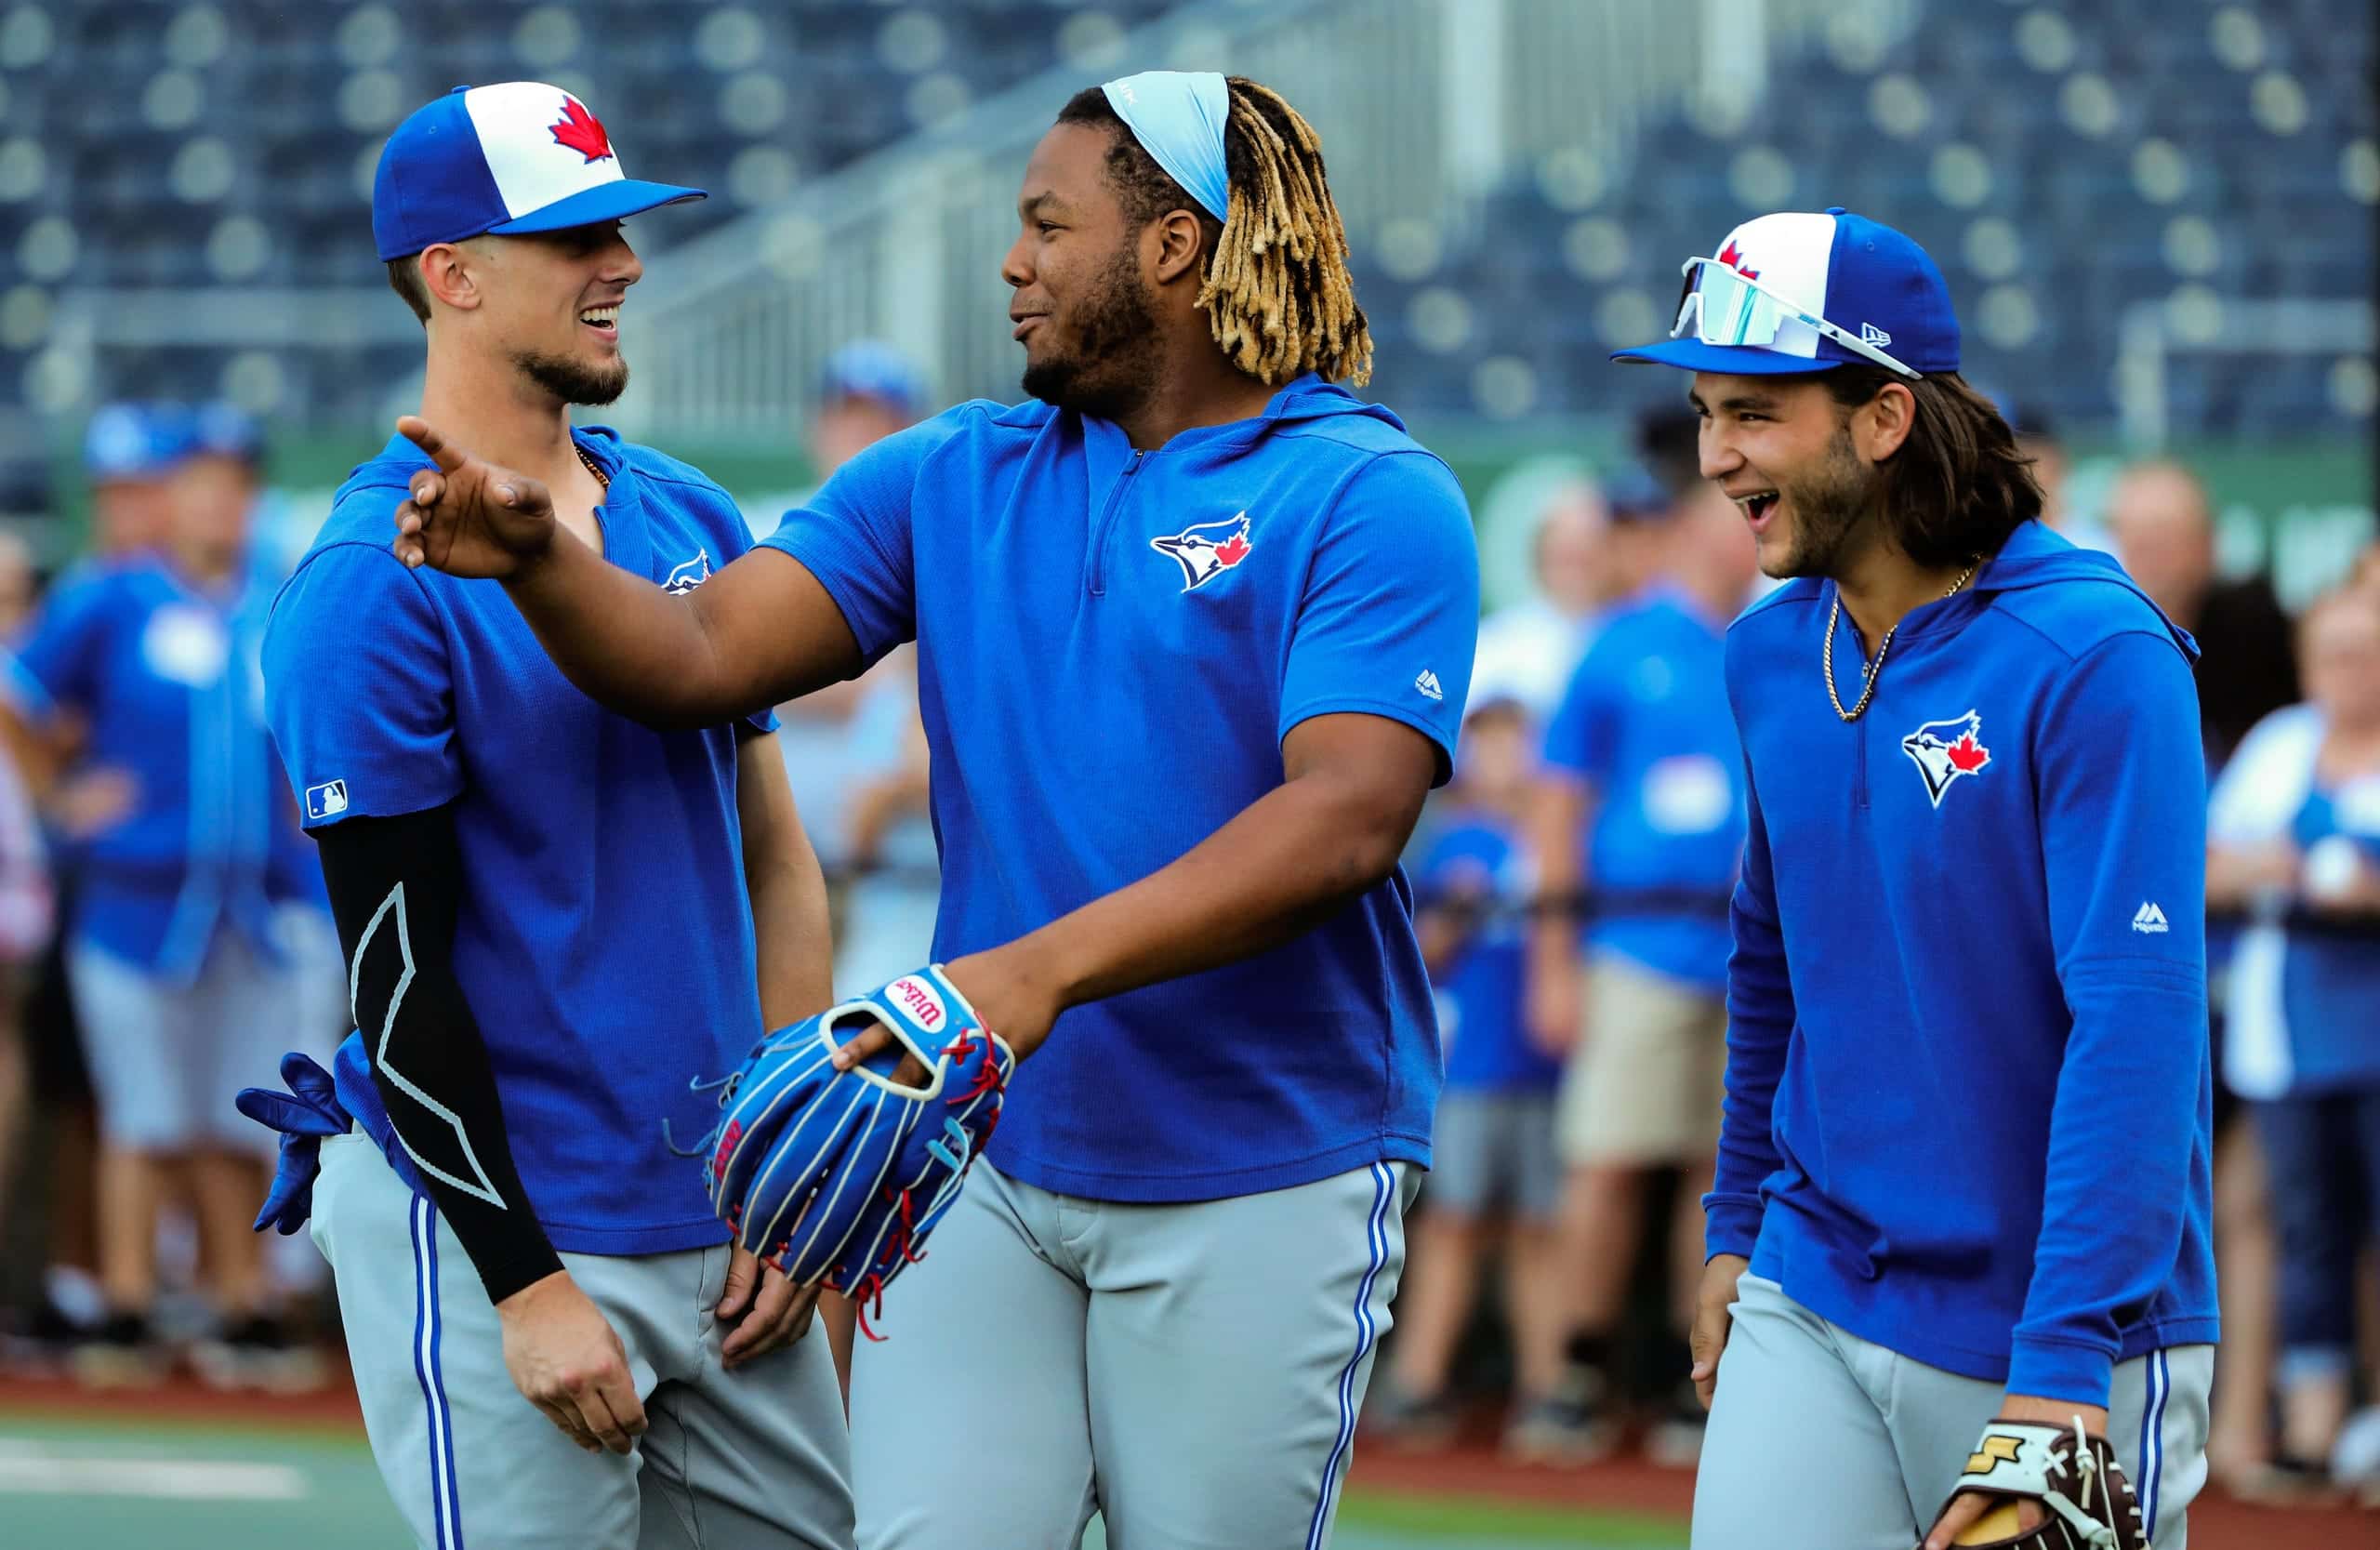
(1720, 306)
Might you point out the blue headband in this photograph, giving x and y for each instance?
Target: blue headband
(1178, 117)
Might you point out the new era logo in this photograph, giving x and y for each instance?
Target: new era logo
(1871, 334)
(2148, 919)
(326, 801)
(1428, 684)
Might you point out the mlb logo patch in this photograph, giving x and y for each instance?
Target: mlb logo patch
(326, 801)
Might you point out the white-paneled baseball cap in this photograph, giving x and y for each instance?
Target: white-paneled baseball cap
(1797, 292)
(518, 157)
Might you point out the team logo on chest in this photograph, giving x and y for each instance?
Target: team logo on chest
(1208, 549)
(687, 576)
(1944, 751)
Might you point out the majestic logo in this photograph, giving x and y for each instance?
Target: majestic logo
(1734, 259)
(1427, 682)
(915, 996)
(1944, 751)
(582, 131)
(687, 576)
(1206, 551)
(326, 801)
(2149, 921)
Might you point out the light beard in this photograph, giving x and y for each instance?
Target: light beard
(1119, 355)
(1833, 505)
(573, 380)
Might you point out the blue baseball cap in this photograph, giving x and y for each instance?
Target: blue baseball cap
(1794, 293)
(227, 431)
(1632, 494)
(136, 441)
(872, 369)
(508, 159)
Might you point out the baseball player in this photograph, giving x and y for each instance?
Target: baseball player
(1194, 630)
(552, 918)
(1961, 1187)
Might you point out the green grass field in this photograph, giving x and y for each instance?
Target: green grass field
(85, 1485)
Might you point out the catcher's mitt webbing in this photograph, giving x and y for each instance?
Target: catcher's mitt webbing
(2087, 1503)
(838, 1176)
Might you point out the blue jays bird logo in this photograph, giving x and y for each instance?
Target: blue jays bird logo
(687, 576)
(1944, 751)
(1206, 551)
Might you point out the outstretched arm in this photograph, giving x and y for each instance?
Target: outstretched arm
(759, 631)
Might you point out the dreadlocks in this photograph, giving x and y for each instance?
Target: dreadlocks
(1276, 291)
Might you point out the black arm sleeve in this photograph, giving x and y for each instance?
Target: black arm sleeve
(395, 887)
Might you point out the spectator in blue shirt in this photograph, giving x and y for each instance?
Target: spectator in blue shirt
(1495, 1177)
(1641, 812)
(180, 984)
(129, 452)
(2293, 836)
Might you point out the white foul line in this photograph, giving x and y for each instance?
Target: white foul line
(28, 1469)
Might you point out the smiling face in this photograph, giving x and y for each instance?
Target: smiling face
(1781, 449)
(1083, 307)
(550, 301)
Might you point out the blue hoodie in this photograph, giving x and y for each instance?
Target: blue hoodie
(1111, 645)
(1968, 1096)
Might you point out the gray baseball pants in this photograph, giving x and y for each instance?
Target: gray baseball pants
(1190, 1373)
(1821, 1440)
(752, 1460)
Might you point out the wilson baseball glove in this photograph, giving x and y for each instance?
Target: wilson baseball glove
(2086, 1502)
(838, 1177)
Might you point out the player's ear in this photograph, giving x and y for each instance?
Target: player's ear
(1181, 245)
(450, 273)
(1879, 426)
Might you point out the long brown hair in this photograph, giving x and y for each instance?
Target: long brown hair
(1275, 285)
(1957, 488)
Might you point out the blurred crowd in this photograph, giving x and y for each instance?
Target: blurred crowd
(164, 938)
(1573, 883)
(164, 933)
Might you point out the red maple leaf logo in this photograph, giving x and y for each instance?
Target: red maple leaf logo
(1232, 550)
(581, 130)
(1967, 755)
(1735, 260)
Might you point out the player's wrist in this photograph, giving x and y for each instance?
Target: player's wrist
(527, 1300)
(535, 554)
(512, 1272)
(1018, 989)
(2046, 1412)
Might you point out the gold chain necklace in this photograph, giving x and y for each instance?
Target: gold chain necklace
(602, 479)
(1826, 658)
